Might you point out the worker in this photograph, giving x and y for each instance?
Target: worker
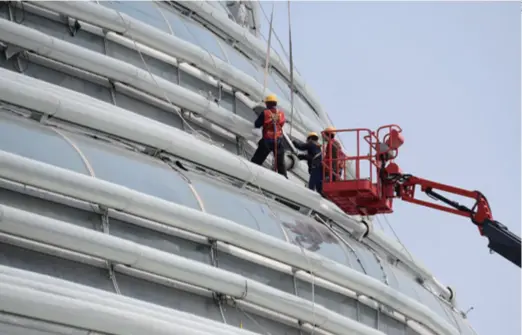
(271, 120)
(334, 149)
(314, 158)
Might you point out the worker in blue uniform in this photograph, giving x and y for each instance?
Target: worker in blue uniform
(314, 158)
(271, 120)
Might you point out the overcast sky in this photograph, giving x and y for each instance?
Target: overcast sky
(449, 74)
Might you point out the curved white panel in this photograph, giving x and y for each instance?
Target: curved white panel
(171, 45)
(26, 92)
(83, 187)
(80, 313)
(65, 235)
(72, 290)
(155, 134)
(254, 45)
(104, 65)
(114, 69)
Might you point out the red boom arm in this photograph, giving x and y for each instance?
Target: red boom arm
(478, 213)
(501, 240)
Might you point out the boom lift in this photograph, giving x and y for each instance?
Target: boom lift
(374, 192)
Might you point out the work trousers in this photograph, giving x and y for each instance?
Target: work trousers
(315, 183)
(335, 174)
(264, 148)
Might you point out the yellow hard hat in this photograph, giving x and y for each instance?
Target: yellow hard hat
(313, 133)
(328, 129)
(271, 98)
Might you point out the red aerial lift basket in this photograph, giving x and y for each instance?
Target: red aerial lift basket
(361, 192)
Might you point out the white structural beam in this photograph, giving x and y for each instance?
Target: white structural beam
(171, 45)
(255, 46)
(120, 71)
(81, 109)
(117, 250)
(56, 304)
(27, 171)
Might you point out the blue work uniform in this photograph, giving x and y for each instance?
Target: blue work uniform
(314, 159)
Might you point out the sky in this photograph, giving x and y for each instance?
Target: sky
(449, 74)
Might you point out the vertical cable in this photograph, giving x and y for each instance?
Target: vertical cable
(291, 71)
(267, 57)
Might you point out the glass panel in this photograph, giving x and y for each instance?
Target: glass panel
(353, 258)
(434, 304)
(205, 39)
(241, 318)
(67, 81)
(136, 171)
(283, 86)
(231, 204)
(367, 315)
(176, 24)
(390, 326)
(406, 284)
(225, 8)
(39, 262)
(168, 296)
(145, 11)
(272, 85)
(307, 111)
(365, 260)
(267, 276)
(335, 302)
(245, 111)
(241, 62)
(370, 263)
(160, 240)
(39, 143)
(142, 61)
(219, 6)
(312, 236)
(465, 329)
(58, 29)
(147, 110)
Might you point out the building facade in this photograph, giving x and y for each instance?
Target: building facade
(127, 202)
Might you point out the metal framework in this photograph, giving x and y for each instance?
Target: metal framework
(374, 193)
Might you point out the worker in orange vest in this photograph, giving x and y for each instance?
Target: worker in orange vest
(333, 155)
(271, 120)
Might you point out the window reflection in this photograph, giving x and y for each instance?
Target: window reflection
(136, 171)
(313, 237)
(27, 139)
(225, 201)
(145, 11)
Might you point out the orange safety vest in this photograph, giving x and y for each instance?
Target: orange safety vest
(272, 115)
(337, 154)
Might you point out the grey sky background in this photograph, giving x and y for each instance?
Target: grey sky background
(449, 74)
